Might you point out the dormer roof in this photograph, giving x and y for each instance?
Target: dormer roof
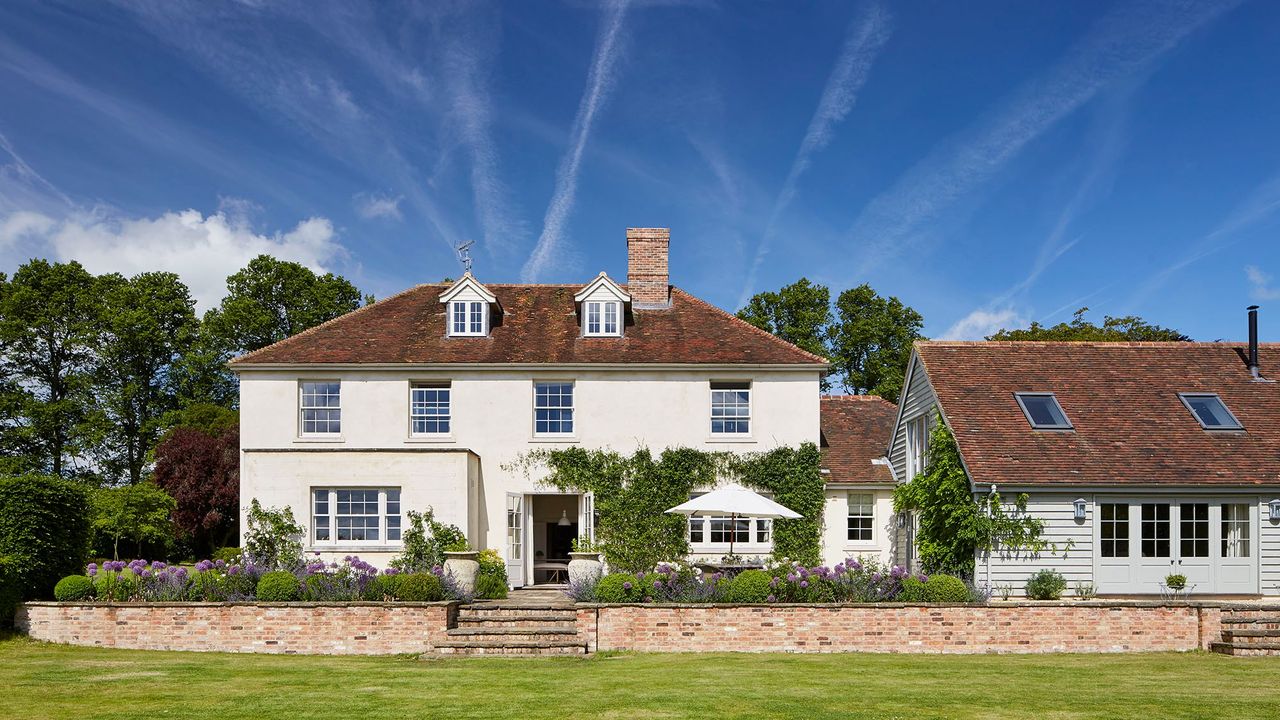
(602, 283)
(465, 283)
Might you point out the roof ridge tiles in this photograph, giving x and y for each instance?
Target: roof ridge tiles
(736, 319)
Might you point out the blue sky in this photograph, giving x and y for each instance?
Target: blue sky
(989, 163)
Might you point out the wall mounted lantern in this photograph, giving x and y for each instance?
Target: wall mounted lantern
(1275, 509)
(1081, 505)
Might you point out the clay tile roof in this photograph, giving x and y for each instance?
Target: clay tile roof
(533, 324)
(855, 430)
(1130, 427)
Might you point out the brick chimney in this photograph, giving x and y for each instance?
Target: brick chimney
(647, 275)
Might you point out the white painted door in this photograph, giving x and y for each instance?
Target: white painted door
(515, 539)
(587, 517)
(1238, 546)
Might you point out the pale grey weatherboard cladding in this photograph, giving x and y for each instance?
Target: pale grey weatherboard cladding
(918, 400)
(1269, 555)
(1073, 556)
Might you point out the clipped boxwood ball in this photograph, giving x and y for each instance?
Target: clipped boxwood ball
(279, 586)
(420, 587)
(619, 588)
(73, 588)
(946, 589)
(749, 586)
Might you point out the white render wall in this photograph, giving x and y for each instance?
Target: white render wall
(492, 416)
(836, 546)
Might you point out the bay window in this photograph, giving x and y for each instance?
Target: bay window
(355, 516)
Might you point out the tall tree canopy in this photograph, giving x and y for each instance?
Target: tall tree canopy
(50, 317)
(271, 299)
(146, 321)
(1113, 329)
(866, 336)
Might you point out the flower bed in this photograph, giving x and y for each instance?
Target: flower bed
(852, 581)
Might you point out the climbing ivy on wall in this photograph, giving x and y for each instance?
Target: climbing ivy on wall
(632, 494)
(953, 524)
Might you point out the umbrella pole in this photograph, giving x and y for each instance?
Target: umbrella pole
(733, 531)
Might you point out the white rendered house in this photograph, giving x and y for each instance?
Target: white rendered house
(421, 399)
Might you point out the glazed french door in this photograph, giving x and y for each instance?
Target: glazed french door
(515, 539)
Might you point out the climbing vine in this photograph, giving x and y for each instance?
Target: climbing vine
(632, 494)
(953, 524)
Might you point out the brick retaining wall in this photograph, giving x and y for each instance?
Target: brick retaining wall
(303, 628)
(1017, 628)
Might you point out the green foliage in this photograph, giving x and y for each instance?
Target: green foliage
(942, 588)
(49, 326)
(952, 524)
(794, 477)
(619, 588)
(1046, 585)
(383, 587)
(73, 588)
(1175, 581)
(141, 513)
(632, 495)
(491, 587)
(871, 342)
(748, 586)
(226, 554)
(146, 321)
(867, 337)
(420, 587)
(279, 586)
(912, 590)
(44, 531)
(582, 544)
(10, 594)
(1113, 329)
(208, 418)
(425, 541)
(273, 538)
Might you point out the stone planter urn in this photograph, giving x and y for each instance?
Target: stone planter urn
(462, 567)
(585, 567)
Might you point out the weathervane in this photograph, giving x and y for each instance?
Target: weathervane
(464, 254)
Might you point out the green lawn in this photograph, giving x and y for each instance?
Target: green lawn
(52, 681)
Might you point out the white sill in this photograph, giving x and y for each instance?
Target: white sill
(729, 438)
(310, 551)
(862, 548)
(319, 439)
(554, 439)
(429, 439)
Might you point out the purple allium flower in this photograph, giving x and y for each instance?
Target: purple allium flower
(771, 598)
(146, 573)
(157, 565)
(181, 573)
(804, 583)
(233, 570)
(791, 577)
(93, 570)
(204, 566)
(657, 584)
(220, 564)
(626, 585)
(875, 577)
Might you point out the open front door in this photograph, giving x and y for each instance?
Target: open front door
(587, 517)
(515, 539)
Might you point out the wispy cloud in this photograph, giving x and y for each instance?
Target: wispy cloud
(981, 323)
(374, 206)
(867, 34)
(1257, 207)
(1260, 282)
(1126, 41)
(21, 187)
(600, 80)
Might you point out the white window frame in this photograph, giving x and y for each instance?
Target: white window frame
(303, 408)
(1066, 421)
(573, 415)
(1186, 401)
(447, 417)
(601, 309)
(469, 308)
(849, 516)
(917, 445)
(735, 386)
(330, 517)
(755, 529)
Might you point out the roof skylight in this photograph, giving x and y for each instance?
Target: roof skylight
(1210, 411)
(1043, 411)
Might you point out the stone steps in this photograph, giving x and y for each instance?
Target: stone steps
(1248, 634)
(518, 629)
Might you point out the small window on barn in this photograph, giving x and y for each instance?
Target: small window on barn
(1043, 411)
(1210, 411)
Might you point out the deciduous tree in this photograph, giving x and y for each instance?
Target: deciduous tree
(201, 471)
(141, 513)
(1113, 329)
(871, 342)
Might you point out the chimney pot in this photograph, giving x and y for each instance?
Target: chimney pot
(648, 277)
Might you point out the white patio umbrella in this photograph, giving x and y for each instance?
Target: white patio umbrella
(735, 501)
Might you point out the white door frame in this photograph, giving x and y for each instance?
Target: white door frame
(517, 550)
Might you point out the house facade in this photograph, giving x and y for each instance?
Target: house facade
(426, 398)
(1141, 459)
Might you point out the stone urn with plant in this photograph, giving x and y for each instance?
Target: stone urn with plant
(585, 565)
(462, 564)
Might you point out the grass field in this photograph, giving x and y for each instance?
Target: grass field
(53, 681)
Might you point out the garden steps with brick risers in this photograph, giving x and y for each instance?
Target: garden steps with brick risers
(506, 628)
(1249, 634)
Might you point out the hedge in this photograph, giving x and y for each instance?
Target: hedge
(44, 533)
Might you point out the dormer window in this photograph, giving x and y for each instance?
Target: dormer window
(1043, 411)
(468, 308)
(468, 318)
(601, 319)
(1210, 411)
